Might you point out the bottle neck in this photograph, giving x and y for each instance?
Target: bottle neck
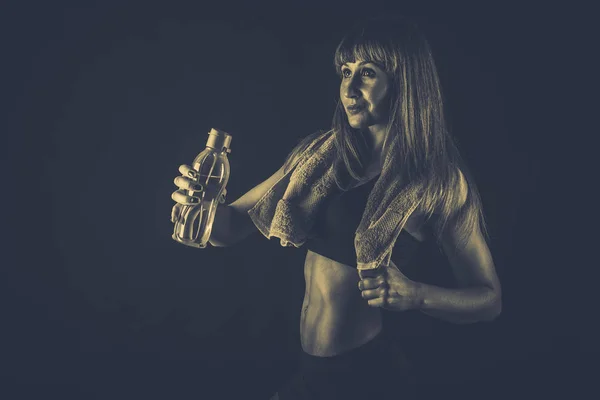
(224, 150)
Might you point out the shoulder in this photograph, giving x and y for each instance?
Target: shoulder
(461, 187)
(314, 138)
(449, 197)
(306, 144)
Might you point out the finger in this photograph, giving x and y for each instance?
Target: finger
(187, 183)
(382, 281)
(372, 283)
(369, 283)
(373, 293)
(188, 171)
(180, 197)
(369, 294)
(175, 211)
(377, 302)
(370, 273)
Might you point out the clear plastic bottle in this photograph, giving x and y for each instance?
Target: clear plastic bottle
(194, 225)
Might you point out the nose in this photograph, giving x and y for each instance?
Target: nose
(350, 88)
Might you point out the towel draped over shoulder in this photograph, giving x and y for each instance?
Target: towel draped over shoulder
(289, 208)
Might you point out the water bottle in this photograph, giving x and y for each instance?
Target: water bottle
(194, 226)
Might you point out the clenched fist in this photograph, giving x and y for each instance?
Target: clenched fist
(389, 288)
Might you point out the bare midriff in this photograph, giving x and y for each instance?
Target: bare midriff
(334, 318)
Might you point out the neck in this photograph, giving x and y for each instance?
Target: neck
(377, 135)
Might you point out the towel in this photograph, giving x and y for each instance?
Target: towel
(288, 209)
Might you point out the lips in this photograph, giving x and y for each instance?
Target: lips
(353, 109)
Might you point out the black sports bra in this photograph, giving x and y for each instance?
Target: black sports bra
(336, 224)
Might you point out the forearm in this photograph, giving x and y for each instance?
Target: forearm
(219, 235)
(230, 226)
(462, 305)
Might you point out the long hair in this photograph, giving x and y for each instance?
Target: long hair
(425, 148)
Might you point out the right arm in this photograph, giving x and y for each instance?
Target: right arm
(232, 222)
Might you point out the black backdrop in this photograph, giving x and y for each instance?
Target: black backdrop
(106, 99)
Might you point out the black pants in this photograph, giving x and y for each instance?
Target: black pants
(375, 370)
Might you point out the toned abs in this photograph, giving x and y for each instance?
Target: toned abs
(334, 317)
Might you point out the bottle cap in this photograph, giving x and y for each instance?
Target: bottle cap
(219, 140)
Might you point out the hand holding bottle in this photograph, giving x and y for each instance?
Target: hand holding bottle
(201, 189)
(188, 182)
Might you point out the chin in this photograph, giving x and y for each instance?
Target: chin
(358, 123)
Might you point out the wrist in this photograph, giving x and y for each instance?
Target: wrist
(220, 235)
(419, 295)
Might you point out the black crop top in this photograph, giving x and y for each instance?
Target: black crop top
(336, 224)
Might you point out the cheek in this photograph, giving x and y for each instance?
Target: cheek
(379, 98)
(378, 94)
(384, 90)
(387, 95)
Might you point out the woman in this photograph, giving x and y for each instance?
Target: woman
(388, 132)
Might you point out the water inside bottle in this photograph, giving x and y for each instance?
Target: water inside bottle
(195, 225)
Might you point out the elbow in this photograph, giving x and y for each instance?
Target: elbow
(488, 315)
(494, 310)
(490, 311)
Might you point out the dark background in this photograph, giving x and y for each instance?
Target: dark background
(105, 100)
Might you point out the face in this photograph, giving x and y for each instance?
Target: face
(364, 94)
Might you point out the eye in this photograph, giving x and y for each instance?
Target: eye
(368, 72)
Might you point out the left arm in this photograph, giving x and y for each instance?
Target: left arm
(479, 296)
